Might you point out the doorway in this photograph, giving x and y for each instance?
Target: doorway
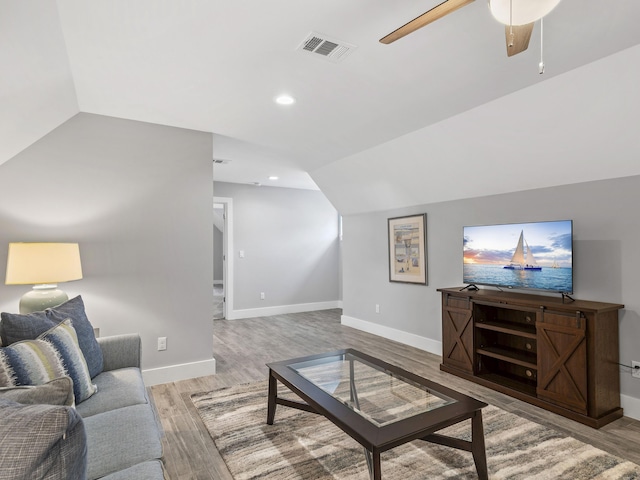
(222, 261)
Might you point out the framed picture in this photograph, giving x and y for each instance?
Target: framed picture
(408, 249)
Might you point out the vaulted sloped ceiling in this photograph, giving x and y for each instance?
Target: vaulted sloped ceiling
(37, 92)
(576, 127)
(390, 125)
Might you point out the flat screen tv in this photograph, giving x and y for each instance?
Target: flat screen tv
(536, 255)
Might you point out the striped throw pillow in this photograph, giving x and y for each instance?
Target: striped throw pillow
(30, 362)
(64, 339)
(53, 354)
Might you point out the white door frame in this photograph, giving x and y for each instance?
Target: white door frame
(227, 246)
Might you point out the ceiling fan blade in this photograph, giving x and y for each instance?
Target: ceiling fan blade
(432, 15)
(520, 41)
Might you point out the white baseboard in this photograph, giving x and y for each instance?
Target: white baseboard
(282, 309)
(174, 373)
(631, 406)
(413, 340)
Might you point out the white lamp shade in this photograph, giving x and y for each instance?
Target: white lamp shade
(42, 263)
(524, 11)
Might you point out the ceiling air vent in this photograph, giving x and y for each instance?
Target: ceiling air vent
(329, 48)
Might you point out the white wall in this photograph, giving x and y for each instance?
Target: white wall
(138, 199)
(606, 262)
(290, 242)
(37, 92)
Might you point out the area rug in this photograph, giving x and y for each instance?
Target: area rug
(305, 446)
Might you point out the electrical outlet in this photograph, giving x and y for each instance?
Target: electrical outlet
(261, 295)
(377, 308)
(162, 343)
(635, 369)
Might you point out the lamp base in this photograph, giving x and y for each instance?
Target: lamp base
(42, 297)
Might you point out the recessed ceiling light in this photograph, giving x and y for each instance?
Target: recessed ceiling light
(285, 100)
(273, 177)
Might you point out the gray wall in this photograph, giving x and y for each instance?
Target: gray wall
(137, 198)
(290, 240)
(606, 259)
(217, 254)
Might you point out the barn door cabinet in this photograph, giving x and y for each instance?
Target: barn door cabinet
(558, 355)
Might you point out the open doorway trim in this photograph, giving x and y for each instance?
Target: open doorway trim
(227, 264)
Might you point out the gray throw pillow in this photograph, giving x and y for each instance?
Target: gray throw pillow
(41, 442)
(17, 327)
(56, 392)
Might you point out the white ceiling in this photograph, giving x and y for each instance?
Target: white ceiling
(215, 65)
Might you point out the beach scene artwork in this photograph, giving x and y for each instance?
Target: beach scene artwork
(407, 249)
(526, 255)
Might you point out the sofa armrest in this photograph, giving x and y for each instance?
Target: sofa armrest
(121, 351)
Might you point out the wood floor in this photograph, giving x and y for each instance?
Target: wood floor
(242, 347)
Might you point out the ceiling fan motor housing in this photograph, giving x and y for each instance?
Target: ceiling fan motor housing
(520, 12)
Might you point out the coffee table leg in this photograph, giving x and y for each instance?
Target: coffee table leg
(377, 473)
(373, 464)
(477, 446)
(273, 392)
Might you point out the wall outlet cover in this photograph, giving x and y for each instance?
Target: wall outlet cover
(635, 369)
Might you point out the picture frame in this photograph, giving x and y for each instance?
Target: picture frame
(407, 237)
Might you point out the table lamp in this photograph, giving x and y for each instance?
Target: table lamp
(42, 265)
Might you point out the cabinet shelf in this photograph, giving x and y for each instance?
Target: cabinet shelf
(511, 329)
(524, 359)
(514, 383)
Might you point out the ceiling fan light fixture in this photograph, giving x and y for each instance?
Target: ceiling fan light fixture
(520, 12)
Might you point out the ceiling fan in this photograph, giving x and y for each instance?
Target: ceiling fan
(518, 17)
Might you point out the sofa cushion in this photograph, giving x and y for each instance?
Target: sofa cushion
(153, 470)
(41, 442)
(63, 337)
(58, 391)
(16, 327)
(120, 439)
(117, 389)
(30, 362)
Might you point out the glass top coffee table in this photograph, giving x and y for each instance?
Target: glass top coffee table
(379, 405)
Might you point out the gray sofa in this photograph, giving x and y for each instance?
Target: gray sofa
(123, 434)
(114, 432)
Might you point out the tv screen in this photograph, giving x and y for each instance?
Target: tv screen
(536, 255)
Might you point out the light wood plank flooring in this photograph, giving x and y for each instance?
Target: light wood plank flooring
(242, 347)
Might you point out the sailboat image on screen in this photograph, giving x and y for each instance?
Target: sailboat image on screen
(519, 261)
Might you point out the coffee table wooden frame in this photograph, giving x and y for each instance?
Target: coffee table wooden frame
(377, 439)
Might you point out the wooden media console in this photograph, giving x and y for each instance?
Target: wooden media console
(557, 354)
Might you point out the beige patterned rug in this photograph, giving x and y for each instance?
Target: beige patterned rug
(305, 446)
